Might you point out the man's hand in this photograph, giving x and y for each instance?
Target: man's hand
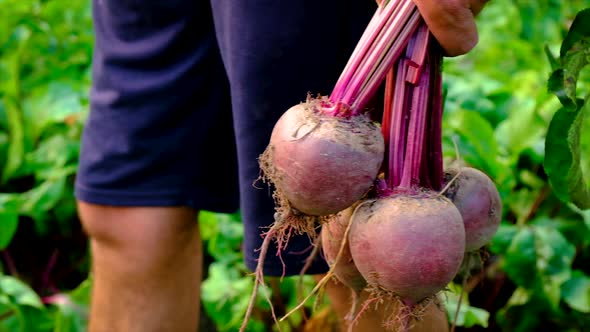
(452, 22)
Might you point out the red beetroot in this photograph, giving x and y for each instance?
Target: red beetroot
(336, 250)
(332, 236)
(410, 246)
(322, 163)
(477, 199)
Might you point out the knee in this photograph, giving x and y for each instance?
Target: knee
(135, 232)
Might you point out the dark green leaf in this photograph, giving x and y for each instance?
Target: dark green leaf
(573, 62)
(540, 256)
(520, 261)
(576, 233)
(8, 226)
(579, 30)
(11, 100)
(562, 145)
(503, 238)
(575, 53)
(562, 160)
(556, 86)
(16, 149)
(9, 205)
(554, 253)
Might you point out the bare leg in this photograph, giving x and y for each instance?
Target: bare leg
(146, 268)
(371, 320)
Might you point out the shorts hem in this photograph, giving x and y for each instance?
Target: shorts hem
(199, 200)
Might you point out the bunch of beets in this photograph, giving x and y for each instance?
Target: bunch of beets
(393, 221)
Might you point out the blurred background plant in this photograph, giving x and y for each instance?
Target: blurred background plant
(497, 114)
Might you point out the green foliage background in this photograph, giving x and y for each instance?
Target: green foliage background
(497, 114)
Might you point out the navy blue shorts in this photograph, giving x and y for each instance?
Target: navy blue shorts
(185, 94)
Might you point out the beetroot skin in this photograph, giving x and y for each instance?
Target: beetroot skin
(409, 246)
(322, 163)
(477, 199)
(332, 237)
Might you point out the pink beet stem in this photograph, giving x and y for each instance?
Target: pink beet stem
(398, 126)
(418, 57)
(373, 29)
(435, 127)
(387, 18)
(387, 114)
(416, 138)
(371, 86)
(381, 45)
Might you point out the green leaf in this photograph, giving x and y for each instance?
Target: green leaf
(503, 238)
(520, 296)
(520, 261)
(27, 319)
(562, 159)
(562, 144)
(11, 99)
(207, 225)
(477, 132)
(16, 149)
(579, 31)
(554, 259)
(37, 201)
(469, 316)
(72, 309)
(539, 256)
(573, 60)
(8, 226)
(19, 292)
(555, 85)
(554, 253)
(224, 235)
(576, 292)
(9, 205)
